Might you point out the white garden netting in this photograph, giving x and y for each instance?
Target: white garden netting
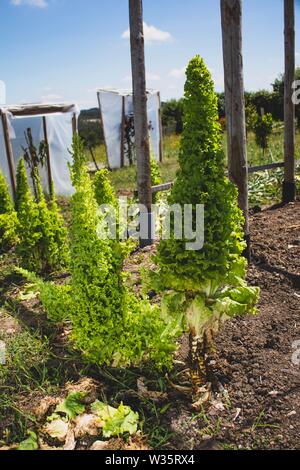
(60, 134)
(111, 107)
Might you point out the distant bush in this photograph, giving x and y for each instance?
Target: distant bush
(266, 102)
(222, 122)
(155, 177)
(251, 117)
(263, 128)
(172, 116)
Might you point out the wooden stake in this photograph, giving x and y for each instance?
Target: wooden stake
(140, 113)
(231, 11)
(103, 130)
(9, 155)
(74, 124)
(122, 132)
(49, 169)
(289, 185)
(161, 150)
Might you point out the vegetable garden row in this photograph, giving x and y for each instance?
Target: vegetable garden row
(100, 353)
(197, 291)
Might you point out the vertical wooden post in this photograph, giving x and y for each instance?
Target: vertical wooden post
(74, 124)
(103, 130)
(122, 132)
(161, 150)
(289, 185)
(140, 114)
(9, 155)
(49, 170)
(231, 12)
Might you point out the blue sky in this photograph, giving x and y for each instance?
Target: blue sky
(65, 49)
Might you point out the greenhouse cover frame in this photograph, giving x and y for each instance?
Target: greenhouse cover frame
(114, 123)
(8, 113)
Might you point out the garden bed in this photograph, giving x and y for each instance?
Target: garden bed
(255, 354)
(258, 404)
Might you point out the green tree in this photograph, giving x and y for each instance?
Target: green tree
(278, 89)
(172, 116)
(91, 131)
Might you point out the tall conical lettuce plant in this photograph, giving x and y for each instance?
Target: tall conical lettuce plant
(208, 284)
(104, 192)
(6, 204)
(42, 246)
(29, 232)
(107, 199)
(109, 324)
(54, 240)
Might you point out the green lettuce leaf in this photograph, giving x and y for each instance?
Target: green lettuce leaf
(72, 406)
(31, 443)
(117, 421)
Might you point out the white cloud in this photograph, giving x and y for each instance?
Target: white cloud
(151, 34)
(127, 78)
(153, 77)
(177, 73)
(33, 3)
(150, 77)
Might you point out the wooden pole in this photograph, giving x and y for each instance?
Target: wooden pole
(74, 124)
(231, 12)
(140, 114)
(103, 130)
(161, 150)
(9, 155)
(50, 179)
(122, 131)
(289, 185)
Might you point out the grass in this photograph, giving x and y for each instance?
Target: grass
(25, 371)
(100, 155)
(34, 361)
(39, 363)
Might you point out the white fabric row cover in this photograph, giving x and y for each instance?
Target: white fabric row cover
(60, 135)
(110, 103)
